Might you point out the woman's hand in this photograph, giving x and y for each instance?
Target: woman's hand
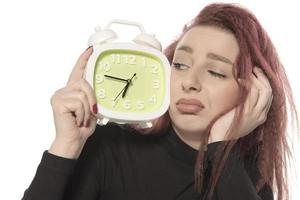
(256, 109)
(72, 107)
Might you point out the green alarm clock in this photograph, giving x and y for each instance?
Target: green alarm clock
(131, 80)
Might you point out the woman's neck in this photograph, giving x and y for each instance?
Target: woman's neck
(190, 138)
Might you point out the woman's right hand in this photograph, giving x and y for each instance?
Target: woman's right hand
(74, 107)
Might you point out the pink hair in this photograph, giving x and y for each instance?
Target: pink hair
(269, 139)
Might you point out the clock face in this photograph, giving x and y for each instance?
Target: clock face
(129, 81)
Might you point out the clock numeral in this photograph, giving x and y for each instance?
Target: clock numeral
(101, 93)
(127, 104)
(156, 84)
(154, 69)
(116, 58)
(99, 78)
(130, 59)
(140, 105)
(104, 66)
(152, 99)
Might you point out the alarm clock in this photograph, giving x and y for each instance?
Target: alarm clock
(131, 80)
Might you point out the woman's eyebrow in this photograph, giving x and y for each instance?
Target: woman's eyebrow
(185, 48)
(218, 58)
(210, 55)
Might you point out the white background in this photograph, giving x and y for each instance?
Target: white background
(41, 40)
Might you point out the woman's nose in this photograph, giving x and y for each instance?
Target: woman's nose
(191, 82)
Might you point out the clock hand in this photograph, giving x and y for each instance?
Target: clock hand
(127, 85)
(121, 79)
(125, 89)
(120, 92)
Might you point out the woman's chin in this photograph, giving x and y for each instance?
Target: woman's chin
(189, 126)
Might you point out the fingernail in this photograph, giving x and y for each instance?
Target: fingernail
(88, 48)
(95, 109)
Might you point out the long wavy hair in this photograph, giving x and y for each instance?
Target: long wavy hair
(269, 141)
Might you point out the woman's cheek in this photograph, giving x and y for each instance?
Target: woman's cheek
(225, 98)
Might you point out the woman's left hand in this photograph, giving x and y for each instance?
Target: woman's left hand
(256, 108)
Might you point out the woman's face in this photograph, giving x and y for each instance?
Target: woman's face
(201, 73)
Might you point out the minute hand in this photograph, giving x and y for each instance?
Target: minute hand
(127, 85)
(121, 79)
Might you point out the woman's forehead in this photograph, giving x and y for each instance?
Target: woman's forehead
(204, 39)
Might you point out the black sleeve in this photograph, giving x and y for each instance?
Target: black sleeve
(60, 178)
(234, 182)
(51, 178)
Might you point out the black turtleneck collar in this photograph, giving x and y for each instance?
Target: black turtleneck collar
(179, 149)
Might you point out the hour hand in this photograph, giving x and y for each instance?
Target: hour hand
(113, 77)
(125, 89)
(127, 85)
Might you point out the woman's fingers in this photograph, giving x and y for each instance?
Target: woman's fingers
(260, 97)
(253, 94)
(82, 91)
(262, 77)
(267, 108)
(84, 106)
(79, 68)
(252, 97)
(85, 87)
(265, 94)
(265, 90)
(67, 106)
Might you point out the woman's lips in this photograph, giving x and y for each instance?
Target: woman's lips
(189, 105)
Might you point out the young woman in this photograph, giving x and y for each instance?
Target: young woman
(223, 137)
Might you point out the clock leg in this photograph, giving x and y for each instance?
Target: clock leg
(145, 124)
(102, 121)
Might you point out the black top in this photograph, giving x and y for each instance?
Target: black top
(119, 163)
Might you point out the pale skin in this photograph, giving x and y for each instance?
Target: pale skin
(199, 55)
(73, 105)
(76, 97)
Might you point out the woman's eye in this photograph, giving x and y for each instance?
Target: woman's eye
(179, 66)
(216, 74)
